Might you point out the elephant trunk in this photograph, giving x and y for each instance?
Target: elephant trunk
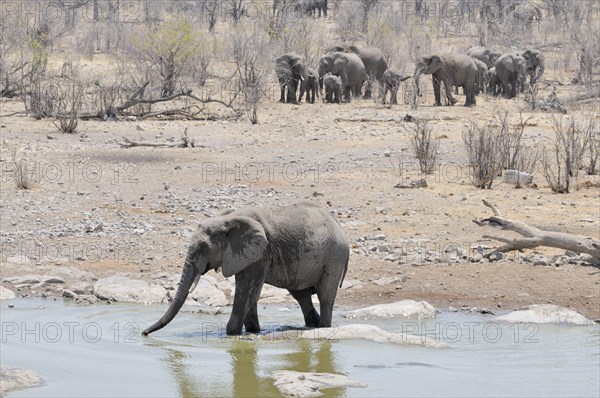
(189, 276)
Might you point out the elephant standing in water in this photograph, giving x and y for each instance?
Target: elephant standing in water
(291, 71)
(449, 69)
(299, 247)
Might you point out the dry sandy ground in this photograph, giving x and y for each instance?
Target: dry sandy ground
(149, 200)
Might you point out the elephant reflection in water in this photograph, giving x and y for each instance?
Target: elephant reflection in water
(250, 377)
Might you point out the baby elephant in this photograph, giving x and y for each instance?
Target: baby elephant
(333, 88)
(312, 85)
(391, 82)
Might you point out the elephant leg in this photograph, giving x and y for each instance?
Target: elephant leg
(251, 323)
(326, 291)
(449, 96)
(394, 94)
(436, 91)
(303, 297)
(368, 90)
(248, 284)
(282, 98)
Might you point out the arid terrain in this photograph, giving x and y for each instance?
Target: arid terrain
(98, 207)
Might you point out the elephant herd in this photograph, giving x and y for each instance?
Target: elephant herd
(343, 70)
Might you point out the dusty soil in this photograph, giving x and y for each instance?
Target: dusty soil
(111, 209)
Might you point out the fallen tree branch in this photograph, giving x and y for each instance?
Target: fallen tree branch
(184, 142)
(534, 237)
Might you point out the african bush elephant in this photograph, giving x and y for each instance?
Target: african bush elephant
(333, 88)
(312, 85)
(449, 70)
(392, 78)
(494, 85)
(299, 247)
(348, 66)
(374, 60)
(291, 70)
(525, 13)
(480, 83)
(511, 69)
(488, 57)
(535, 64)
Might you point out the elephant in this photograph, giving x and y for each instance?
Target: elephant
(392, 78)
(348, 66)
(488, 57)
(511, 69)
(535, 64)
(525, 13)
(299, 247)
(449, 69)
(312, 85)
(291, 70)
(482, 70)
(333, 88)
(494, 85)
(374, 60)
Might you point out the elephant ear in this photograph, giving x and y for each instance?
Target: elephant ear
(508, 63)
(339, 64)
(245, 244)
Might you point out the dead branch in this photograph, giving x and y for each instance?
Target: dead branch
(534, 237)
(184, 142)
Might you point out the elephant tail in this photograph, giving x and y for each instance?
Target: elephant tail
(345, 270)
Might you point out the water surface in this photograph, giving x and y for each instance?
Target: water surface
(97, 351)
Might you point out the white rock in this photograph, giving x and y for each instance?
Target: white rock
(351, 283)
(405, 308)
(308, 384)
(207, 293)
(24, 279)
(355, 331)
(16, 379)
(6, 294)
(545, 313)
(120, 288)
(514, 176)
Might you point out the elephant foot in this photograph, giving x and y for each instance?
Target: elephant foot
(437, 104)
(452, 101)
(469, 104)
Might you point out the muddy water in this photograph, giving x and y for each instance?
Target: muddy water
(98, 351)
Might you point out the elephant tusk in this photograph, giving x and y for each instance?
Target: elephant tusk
(195, 283)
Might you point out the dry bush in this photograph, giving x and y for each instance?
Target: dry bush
(167, 52)
(24, 175)
(563, 160)
(594, 150)
(425, 145)
(484, 151)
(250, 51)
(68, 100)
(514, 154)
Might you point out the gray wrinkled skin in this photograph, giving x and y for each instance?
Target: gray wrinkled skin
(299, 247)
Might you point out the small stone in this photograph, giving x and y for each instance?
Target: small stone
(496, 256)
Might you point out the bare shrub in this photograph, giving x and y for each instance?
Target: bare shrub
(484, 151)
(166, 53)
(68, 99)
(249, 52)
(514, 154)
(563, 160)
(425, 145)
(24, 175)
(594, 149)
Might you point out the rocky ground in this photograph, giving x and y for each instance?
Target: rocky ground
(103, 222)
